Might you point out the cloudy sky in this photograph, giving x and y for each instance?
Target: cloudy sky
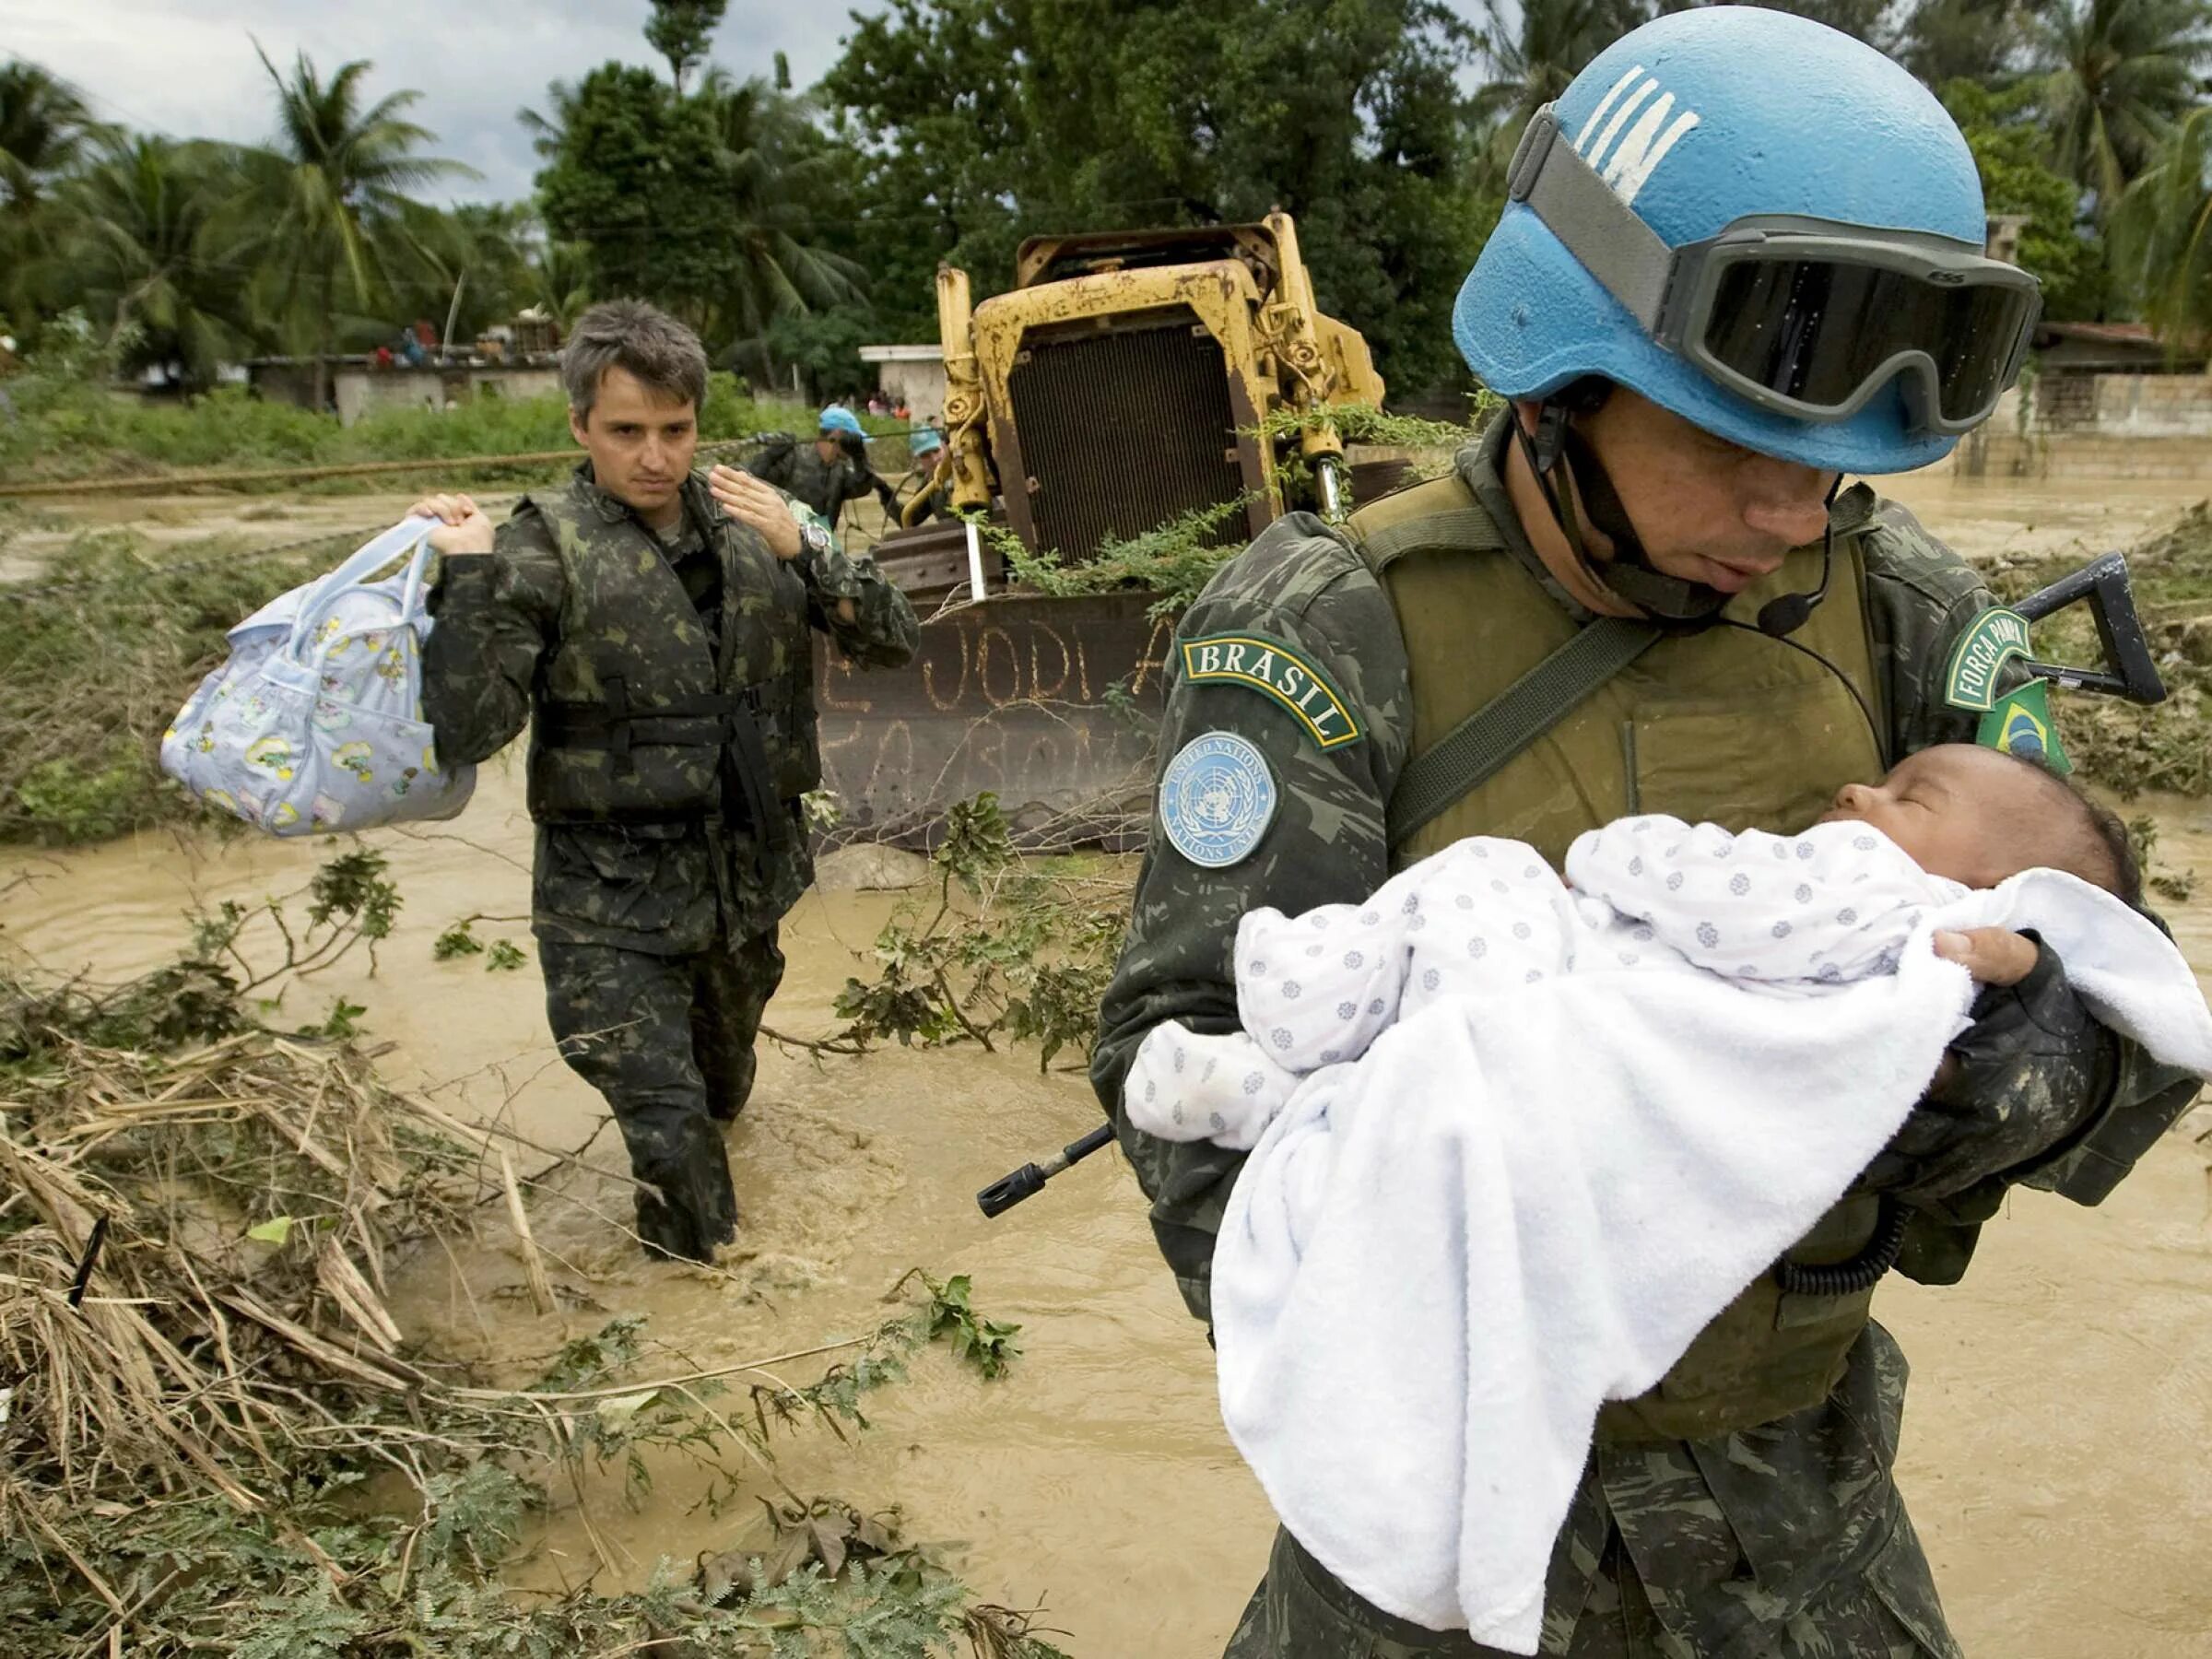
(187, 67)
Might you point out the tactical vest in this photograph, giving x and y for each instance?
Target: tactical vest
(1723, 726)
(636, 720)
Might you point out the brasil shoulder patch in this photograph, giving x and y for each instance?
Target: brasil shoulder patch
(1993, 639)
(2021, 724)
(1276, 671)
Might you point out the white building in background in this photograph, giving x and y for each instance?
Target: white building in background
(913, 373)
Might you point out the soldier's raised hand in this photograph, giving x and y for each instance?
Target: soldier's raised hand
(757, 504)
(462, 527)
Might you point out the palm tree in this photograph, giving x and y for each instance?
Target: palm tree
(777, 165)
(2118, 74)
(1534, 50)
(150, 247)
(44, 130)
(336, 188)
(559, 281)
(2161, 232)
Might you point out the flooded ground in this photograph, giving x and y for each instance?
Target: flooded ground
(2056, 1445)
(2054, 1453)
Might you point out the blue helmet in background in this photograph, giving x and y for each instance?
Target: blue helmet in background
(838, 418)
(924, 440)
(1696, 147)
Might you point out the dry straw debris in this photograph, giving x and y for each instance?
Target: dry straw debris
(215, 1435)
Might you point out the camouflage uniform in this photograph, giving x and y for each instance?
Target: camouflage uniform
(657, 930)
(799, 471)
(1789, 1538)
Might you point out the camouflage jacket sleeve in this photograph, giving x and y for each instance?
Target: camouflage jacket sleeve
(495, 612)
(883, 631)
(773, 461)
(1301, 590)
(2074, 1116)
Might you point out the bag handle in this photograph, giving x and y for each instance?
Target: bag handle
(366, 560)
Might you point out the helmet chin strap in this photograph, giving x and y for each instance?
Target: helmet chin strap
(1667, 600)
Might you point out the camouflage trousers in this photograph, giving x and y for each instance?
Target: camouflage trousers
(669, 1042)
(1301, 1610)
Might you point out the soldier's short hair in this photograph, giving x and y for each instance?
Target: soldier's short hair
(642, 338)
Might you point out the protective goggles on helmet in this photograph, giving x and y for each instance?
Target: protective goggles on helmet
(1806, 317)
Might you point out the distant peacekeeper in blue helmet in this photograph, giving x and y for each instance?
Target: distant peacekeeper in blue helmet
(1742, 257)
(830, 472)
(926, 444)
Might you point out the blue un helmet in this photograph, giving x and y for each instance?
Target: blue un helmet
(924, 440)
(836, 417)
(1767, 228)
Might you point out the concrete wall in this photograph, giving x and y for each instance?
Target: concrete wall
(2074, 425)
(362, 391)
(920, 383)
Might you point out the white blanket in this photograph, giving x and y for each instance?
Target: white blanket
(1440, 1259)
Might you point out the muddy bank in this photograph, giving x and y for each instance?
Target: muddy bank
(1991, 518)
(2053, 1448)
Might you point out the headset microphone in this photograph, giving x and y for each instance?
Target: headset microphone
(1786, 613)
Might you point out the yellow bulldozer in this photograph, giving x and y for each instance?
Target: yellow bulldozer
(1128, 380)
(1125, 378)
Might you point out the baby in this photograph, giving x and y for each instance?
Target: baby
(1780, 914)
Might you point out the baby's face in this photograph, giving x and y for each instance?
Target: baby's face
(1947, 808)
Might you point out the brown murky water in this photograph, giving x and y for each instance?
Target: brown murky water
(2055, 1450)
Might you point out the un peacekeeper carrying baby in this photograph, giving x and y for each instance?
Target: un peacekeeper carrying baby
(1742, 255)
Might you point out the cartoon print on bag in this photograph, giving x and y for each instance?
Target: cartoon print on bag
(271, 754)
(354, 758)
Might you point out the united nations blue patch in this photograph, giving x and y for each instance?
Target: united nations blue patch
(1217, 799)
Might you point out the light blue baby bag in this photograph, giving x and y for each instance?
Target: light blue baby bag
(315, 723)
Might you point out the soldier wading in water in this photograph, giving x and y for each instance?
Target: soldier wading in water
(654, 626)
(1742, 256)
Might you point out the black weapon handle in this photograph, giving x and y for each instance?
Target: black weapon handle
(1007, 1191)
(2129, 671)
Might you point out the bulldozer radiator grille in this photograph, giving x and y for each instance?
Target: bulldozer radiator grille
(1122, 430)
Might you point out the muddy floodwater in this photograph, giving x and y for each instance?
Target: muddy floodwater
(2058, 1438)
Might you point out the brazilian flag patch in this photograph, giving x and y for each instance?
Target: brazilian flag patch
(2021, 724)
(1273, 669)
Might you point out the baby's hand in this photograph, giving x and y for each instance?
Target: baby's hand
(1187, 1086)
(1994, 956)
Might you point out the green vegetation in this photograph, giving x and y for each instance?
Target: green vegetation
(1003, 944)
(219, 1441)
(92, 672)
(69, 427)
(791, 226)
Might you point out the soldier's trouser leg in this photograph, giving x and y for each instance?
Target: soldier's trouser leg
(734, 984)
(1303, 1611)
(623, 1021)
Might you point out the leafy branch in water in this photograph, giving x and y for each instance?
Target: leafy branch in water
(987, 1344)
(1001, 945)
(460, 939)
